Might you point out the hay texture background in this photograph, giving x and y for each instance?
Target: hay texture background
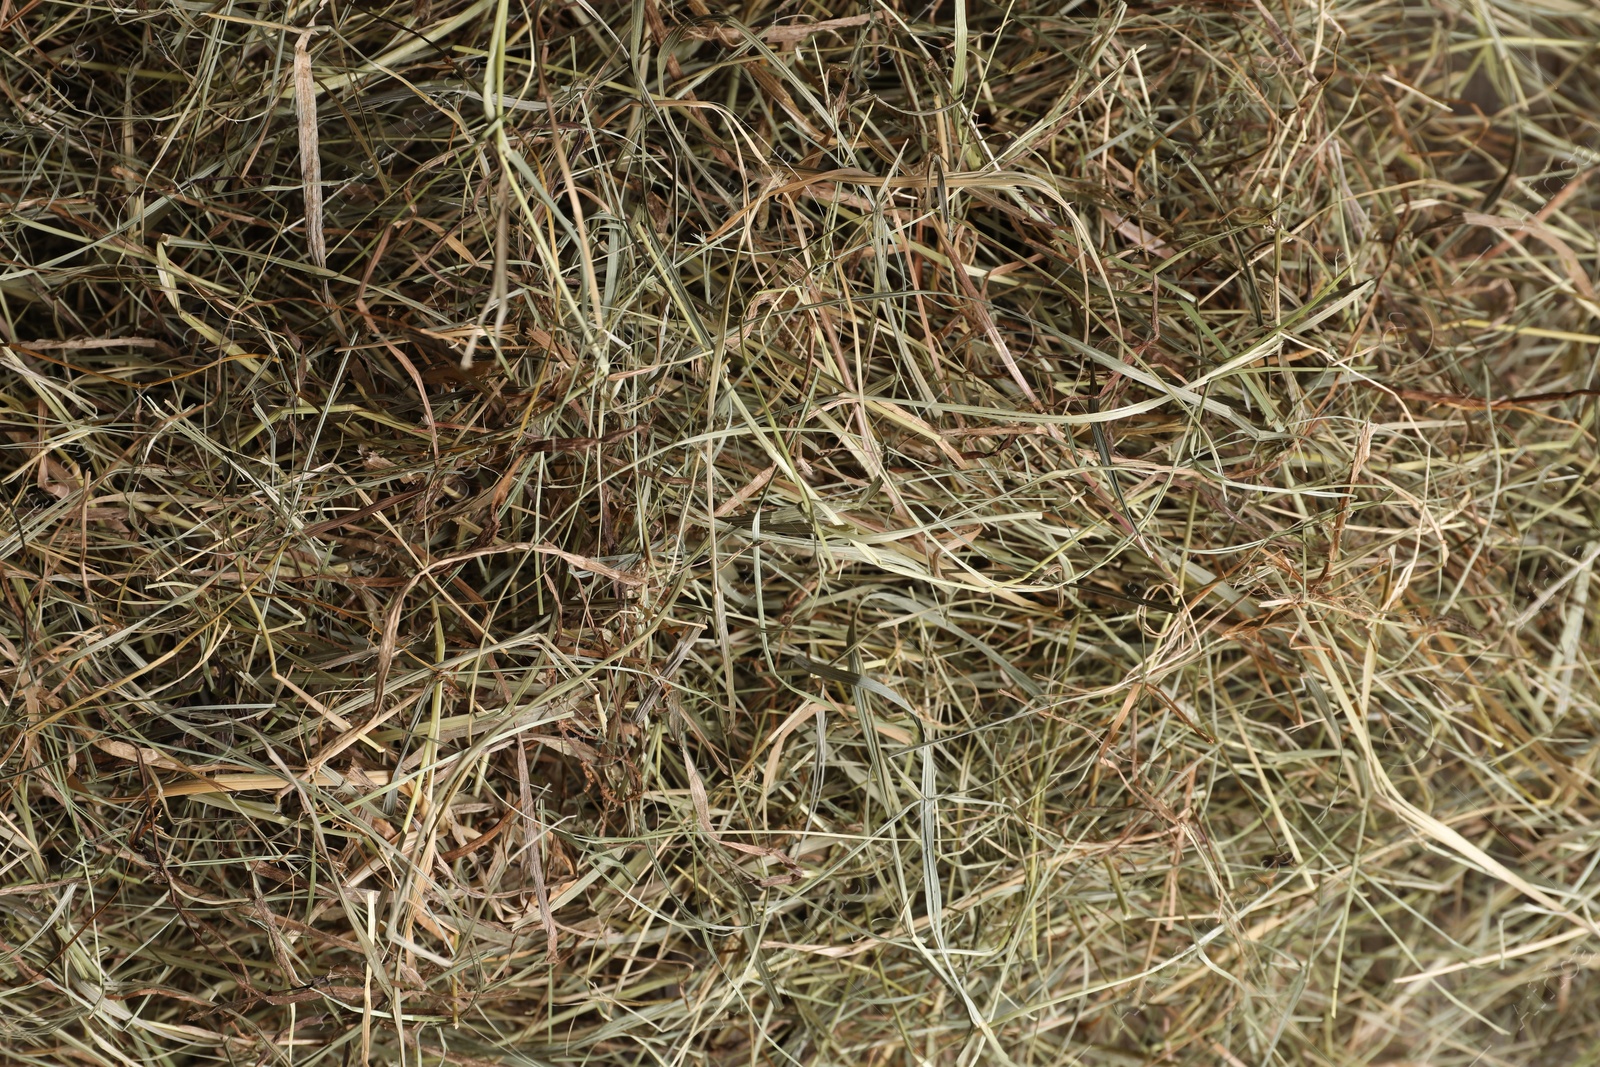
(623, 533)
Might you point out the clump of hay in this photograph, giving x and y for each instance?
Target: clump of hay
(614, 533)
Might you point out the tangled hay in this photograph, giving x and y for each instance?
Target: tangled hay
(618, 533)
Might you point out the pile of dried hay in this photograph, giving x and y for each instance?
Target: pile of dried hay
(607, 533)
